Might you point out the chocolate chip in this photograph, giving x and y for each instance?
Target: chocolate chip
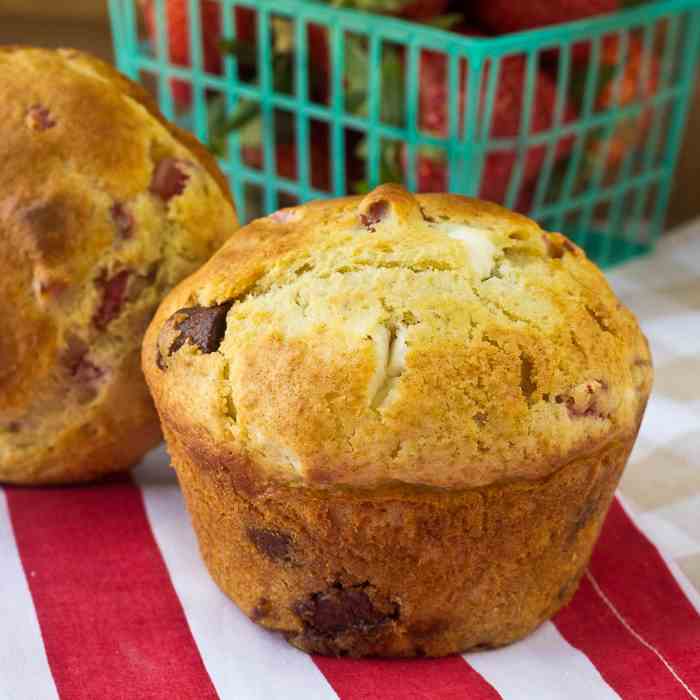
(13, 426)
(113, 297)
(39, 118)
(340, 609)
(374, 214)
(169, 178)
(274, 545)
(203, 326)
(48, 226)
(123, 220)
(427, 217)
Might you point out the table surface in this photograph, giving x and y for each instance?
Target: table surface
(662, 481)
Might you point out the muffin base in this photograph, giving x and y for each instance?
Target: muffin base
(401, 571)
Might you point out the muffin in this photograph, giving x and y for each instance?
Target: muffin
(398, 421)
(104, 206)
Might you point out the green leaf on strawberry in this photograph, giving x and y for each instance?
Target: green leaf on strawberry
(243, 51)
(577, 85)
(390, 166)
(446, 22)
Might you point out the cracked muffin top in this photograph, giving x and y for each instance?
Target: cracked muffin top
(432, 340)
(104, 206)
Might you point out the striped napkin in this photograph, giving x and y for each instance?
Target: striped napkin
(103, 594)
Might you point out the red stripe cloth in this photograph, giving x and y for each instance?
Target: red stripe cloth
(112, 624)
(451, 678)
(629, 581)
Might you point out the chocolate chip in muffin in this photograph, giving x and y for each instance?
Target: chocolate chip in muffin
(47, 223)
(169, 179)
(341, 609)
(427, 217)
(123, 220)
(113, 295)
(39, 118)
(203, 326)
(374, 214)
(274, 545)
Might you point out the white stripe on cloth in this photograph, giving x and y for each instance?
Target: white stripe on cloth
(666, 535)
(242, 660)
(543, 666)
(24, 669)
(691, 593)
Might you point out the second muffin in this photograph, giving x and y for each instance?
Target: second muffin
(398, 421)
(104, 207)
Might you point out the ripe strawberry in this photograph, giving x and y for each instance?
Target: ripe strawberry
(505, 122)
(432, 176)
(422, 10)
(179, 38)
(415, 10)
(629, 132)
(505, 16)
(286, 160)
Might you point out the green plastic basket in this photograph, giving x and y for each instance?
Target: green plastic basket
(614, 213)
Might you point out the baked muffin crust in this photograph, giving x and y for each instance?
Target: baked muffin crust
(432, 340)
(104, 206)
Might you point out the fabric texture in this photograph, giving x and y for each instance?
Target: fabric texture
(103, 594)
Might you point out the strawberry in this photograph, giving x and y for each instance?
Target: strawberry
(179, 37)
(286, 157)
(422, 10)
(432, 176)
(505, 123)
(629, 132)
(505, 16)
(414, 10)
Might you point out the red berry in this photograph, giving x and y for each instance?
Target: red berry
(178, 32)
(424, 9)
(505, 16)
(286, 157)
(169, 178)
(39, 118)
(509, 101)
(113, 296)
(123, 220)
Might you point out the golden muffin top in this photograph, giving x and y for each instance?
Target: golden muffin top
(431, 340)
(104, 206)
